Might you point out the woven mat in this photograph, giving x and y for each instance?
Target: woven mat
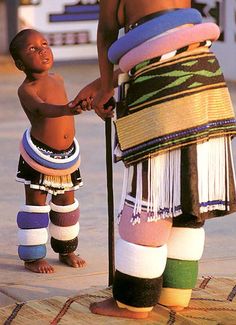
(213, 303)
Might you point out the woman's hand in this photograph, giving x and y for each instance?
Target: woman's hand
(98, 104)
(86, 95)
(77, 108)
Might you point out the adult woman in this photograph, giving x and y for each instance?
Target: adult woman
(174, 125)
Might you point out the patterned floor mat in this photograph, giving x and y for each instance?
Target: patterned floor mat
(213, 303)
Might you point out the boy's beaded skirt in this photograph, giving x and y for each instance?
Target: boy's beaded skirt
(47, 169)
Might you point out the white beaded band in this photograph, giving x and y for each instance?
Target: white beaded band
(140, 261)
(32, 237)
(186, 243)
(64, 233)
(35, 208)
(64, 208)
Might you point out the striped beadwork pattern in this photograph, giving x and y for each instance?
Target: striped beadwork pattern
(64, 227)
(189, 89)
(32, 233)
(155, 60)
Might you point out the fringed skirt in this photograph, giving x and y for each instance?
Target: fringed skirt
(196, 182)
(174, 127)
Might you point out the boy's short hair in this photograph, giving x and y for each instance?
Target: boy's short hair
(16, 43)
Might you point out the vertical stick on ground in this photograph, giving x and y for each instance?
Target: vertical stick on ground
(110, 200)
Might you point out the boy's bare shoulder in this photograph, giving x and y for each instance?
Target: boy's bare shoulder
(32, 86)
(25, 87)
(22, 88)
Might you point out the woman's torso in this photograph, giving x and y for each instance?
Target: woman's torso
(130, 11)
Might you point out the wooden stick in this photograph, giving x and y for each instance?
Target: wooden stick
(110, 199)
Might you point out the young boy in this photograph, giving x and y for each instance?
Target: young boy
(49, 160)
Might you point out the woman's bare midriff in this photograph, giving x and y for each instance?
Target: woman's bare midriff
(127, 15)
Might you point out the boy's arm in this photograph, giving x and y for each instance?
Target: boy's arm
(36, 106)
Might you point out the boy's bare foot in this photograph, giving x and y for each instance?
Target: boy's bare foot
(39, 266)
(109, 307)
(72, 260)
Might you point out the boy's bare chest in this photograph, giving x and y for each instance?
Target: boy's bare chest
(51, 90)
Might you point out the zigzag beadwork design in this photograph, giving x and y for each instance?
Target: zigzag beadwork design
(190, 89)
(154, 60)
(174, 80)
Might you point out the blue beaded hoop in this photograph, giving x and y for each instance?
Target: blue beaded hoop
(27, 253)
(151, 28)
(32, 220)
(45, 162)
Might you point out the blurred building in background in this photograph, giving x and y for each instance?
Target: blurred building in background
(223, 13)
(71, 25)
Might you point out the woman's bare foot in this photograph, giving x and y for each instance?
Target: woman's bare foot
(72, 260)
(109, 307)
(176, 308)
(39, 266)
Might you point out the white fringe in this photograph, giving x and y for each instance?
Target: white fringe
(57, 181)
(228, 155)
(139, 194)
(124, 191)
(213, 174)
(117, 151)
(231, 159)
(164, 181)
(163, 187)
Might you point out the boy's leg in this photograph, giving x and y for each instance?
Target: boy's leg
(64, 228)
(32, 220)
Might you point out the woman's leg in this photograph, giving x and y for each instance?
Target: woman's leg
(141, 255)
(185, 248)
(32, 220)
(64, 228)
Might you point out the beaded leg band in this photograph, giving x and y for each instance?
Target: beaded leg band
(138, 274)
(64, 227)
(185, 248)
(140, 256)
(144, 232)
(32, 222)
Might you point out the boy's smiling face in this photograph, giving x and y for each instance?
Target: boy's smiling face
(35, 53)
